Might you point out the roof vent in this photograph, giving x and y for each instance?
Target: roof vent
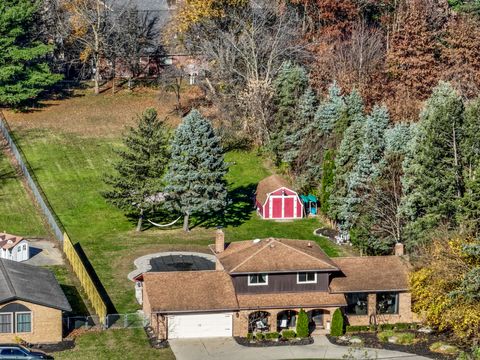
(9, 241)
(272, 245)
(256, 241)
(309, 244)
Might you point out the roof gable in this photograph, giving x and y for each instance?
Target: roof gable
(274, 255)
(31, 284)
(8, 241)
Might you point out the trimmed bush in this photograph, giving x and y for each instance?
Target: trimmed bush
(272, 335)
(288, 334)
(302, 324)
(405, 326)
(384, 327)
(358, 328)
(249, 336)
(402, 338)
(337, 323)
(259, 336)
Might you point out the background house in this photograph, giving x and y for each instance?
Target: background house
(14, 247)
(31, 304)
(275, 200)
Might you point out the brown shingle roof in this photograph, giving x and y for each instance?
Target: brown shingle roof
(274, 255)
(371, 273)
(8, 241)
(290, 300)
(189, 291)
(268, 185)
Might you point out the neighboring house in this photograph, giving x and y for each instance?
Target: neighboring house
(31, 304)
(275, 200)
(14, 247)
(261, 285)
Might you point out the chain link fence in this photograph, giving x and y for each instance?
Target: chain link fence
(111, 321)
(37, 193)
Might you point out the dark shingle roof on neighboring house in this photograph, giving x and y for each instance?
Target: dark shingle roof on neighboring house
(31, 284)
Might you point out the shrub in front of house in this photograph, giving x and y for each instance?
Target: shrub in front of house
(337, 323)
(302, 324)
(288, 334)
(259, 336)
(357, 328)
(385, 327)
(405, 326)
(272, 335)
(249, 336)
(402, 338)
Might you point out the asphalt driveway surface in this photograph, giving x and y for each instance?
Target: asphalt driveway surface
(228, 349)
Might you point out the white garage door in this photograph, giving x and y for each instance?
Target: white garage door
(197, 326)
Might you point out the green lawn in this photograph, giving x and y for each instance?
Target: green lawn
(17, 213)
(131, 344)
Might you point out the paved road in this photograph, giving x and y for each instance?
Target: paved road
(228, 349)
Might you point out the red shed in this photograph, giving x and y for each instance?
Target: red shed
(275, 200)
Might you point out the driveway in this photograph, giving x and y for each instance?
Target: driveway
(228, 349)
(44, 253)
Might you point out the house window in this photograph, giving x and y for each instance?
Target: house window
(6, 323)
(357, 304)
(258, 279)
(24, 247)
(24, 322)
(19, 249)
(307, 278)
(387, 303)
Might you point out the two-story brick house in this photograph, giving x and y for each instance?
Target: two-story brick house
(261, 285)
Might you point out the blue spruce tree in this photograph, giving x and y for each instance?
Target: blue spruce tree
(195, 178)
(433, 181)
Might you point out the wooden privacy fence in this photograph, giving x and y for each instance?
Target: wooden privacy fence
(82, 274)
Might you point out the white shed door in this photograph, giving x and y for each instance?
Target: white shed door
(199, 326)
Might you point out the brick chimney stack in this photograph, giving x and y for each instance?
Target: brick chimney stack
(219, 241)
(399, 249)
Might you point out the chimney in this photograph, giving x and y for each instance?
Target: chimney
(399, 249)
(219, 241)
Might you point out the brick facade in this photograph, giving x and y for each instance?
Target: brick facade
(405, 314)
(46, 325)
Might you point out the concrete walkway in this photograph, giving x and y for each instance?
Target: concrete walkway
(228, 349)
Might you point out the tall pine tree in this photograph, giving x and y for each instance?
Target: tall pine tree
(195, 178)
(433, 177)
(138, 182)
(24, 70)
(347, 155)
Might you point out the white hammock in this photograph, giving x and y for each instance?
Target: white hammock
(165, 225)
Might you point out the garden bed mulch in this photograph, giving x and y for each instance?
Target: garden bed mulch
(421, 347)
(266, 343)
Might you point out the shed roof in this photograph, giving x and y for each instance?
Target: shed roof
(8, 241)
(290, 300)
(274, 255)
(370, 274)
(269, 185)
(32, 284)
(186, 291)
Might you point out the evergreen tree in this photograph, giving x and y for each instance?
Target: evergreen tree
(331, 112)
(296, 133)
(138, 181)
(468, 216)
(195, 178)
(328, 176)
(470, 144)
(433, 179)
(302, 324)
(289, 85)
(24, 71)
(347, 157)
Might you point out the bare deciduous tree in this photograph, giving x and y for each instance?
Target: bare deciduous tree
(245, 51)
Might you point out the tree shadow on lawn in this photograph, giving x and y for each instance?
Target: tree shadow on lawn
(238, 211)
